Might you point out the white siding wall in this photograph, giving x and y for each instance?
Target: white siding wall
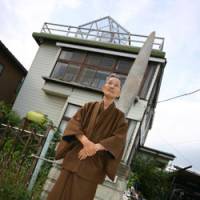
(31, 96)
(52, 99)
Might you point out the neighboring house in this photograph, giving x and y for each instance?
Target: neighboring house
(71, 65)
(162, 158)
(185, 185)
(12, 74)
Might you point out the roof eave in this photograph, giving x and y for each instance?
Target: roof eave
(41, 37)
(157, 152)
(13, 58)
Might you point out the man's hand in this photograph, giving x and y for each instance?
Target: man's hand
(89, 149)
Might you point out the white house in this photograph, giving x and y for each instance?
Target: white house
(71, 65)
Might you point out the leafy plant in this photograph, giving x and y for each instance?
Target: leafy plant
(11, 191)
(133, 178)
(153, 182)
(13, 118)
(15, 159)
(7, 115)
(12, 185)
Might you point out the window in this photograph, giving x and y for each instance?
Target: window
(88, 68)
(102, 61)
(123, 66)
(76, 56)
(99, 80)
(93, 78)
(1, 68)
(59, 70)
(94, 59)
(147, 79)
(71, 72)
(67, 72)
(107, 62)
(87, 76)
(69, 113)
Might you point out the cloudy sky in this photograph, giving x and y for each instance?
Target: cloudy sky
(176, 127)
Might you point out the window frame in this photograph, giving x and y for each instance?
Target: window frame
(83, 65)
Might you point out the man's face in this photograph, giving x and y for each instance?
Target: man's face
(112, 87)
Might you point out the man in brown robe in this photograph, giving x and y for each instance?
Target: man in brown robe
(92, 146)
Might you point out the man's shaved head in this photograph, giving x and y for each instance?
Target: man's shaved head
(113, 75)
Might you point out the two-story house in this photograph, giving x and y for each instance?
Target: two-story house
(71, 65)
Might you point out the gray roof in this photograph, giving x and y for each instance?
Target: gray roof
(157, 152)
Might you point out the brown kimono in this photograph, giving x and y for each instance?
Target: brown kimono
(107, 127)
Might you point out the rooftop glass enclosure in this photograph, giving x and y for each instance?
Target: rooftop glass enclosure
(105, 30)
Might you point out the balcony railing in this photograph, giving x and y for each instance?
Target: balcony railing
(101, 35)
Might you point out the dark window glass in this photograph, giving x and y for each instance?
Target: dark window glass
(87, 76)
(66, 55)
(1, 69)
(94, 59)
(72, 56)
(90, 69)
(123, 66)
(71, 72)
(67, 72)
(147, 79)
(99, 79)
(153, 96)
(105, 62)
(59, 70)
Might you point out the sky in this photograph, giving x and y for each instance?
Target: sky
(176, 127)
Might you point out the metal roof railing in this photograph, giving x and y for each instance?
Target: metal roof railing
(101, 35)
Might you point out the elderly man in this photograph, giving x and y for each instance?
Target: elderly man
(92, 146)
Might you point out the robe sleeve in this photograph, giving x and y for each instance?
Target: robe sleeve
(74, 126)
(115, 143)
(115, 146)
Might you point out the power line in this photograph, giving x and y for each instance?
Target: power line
(194, 166)
(186, 142)
(185, 94)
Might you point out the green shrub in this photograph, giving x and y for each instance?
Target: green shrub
(154, 182)
(12, 186)
(7, 115)
(13, 118)
(13, 158)
(4, 109)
